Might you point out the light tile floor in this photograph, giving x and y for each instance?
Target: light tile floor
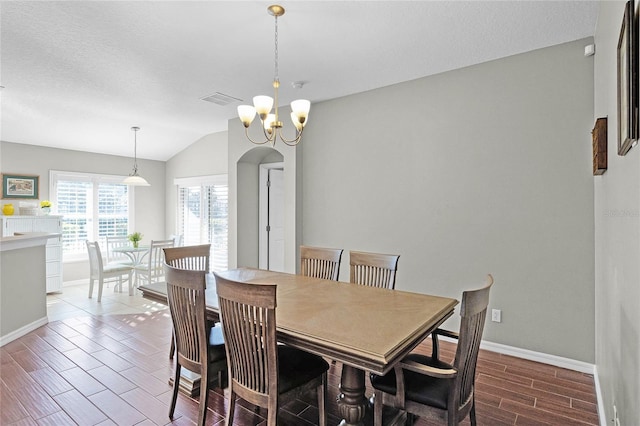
(74, 302)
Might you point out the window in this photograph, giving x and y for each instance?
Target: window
(93, 207)
(203, 215)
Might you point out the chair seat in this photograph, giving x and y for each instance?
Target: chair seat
(116, 267)
(122, 262)
(420, 388)
(143, 267)
(216, 345)
(297, 367)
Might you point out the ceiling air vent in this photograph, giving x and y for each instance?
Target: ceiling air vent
(221, 99)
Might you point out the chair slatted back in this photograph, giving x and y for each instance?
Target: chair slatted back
(248, 316)
(115, 242)
(186, 298)
(178, 239)
(154, 268)
(373, 269)
(96, 265)
(195, 258)
(320, 262)
(473, 312)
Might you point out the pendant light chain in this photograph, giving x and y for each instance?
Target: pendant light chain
(276, 52)
(135, 148)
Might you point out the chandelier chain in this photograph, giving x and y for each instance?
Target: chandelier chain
(276, 51)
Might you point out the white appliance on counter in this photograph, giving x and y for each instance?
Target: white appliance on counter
(53, 224)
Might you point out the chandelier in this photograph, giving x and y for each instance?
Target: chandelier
(134, 178)
(262, 105)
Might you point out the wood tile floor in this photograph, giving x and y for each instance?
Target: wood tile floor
(94, 367)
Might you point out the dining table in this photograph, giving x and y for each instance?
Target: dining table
(367, 329)
(135, 254)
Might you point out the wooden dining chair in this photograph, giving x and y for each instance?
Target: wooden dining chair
(153, 269)
(320, 262)
(261, 371)
(193, 258)
(102, 273)
(373, 269)
(433, 389)
(199, 347)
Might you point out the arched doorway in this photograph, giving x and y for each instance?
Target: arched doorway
(256, 246)
(244, 170)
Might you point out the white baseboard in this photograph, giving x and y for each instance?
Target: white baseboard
(7, 338)
(558, 361)
(601, 411)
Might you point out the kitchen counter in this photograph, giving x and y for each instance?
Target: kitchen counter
(23, 300)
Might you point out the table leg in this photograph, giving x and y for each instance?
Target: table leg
(136, 259)
(352, 404)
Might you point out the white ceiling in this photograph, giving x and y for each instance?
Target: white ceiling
(78, 75)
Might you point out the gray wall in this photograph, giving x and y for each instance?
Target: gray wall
(38, 160)
(207, 156)
(617, 241)
(485, 169)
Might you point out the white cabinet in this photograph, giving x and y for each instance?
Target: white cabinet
(53, 224)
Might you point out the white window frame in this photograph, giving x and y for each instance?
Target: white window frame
(202, 181)
(95, 179)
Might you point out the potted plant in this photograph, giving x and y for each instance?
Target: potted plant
(135, 238)
(45, 206)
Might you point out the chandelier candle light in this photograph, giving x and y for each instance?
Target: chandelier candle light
(134, 178)
(263, 104)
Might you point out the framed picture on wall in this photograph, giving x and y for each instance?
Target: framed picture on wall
(19, 186)
(627, 81)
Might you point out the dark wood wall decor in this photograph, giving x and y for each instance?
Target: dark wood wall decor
(599, 137)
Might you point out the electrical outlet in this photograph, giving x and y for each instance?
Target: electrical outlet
(496, 315)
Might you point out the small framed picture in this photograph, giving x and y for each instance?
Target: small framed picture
(627, 81)
(19, 186)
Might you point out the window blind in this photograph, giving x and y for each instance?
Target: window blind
(93, 207)
(203, 215)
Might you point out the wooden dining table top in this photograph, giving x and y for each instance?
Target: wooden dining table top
(364, 327)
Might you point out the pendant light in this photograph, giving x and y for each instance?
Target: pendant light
(134, 178)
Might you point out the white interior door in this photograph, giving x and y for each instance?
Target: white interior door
(276, 220)
(272, 217)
